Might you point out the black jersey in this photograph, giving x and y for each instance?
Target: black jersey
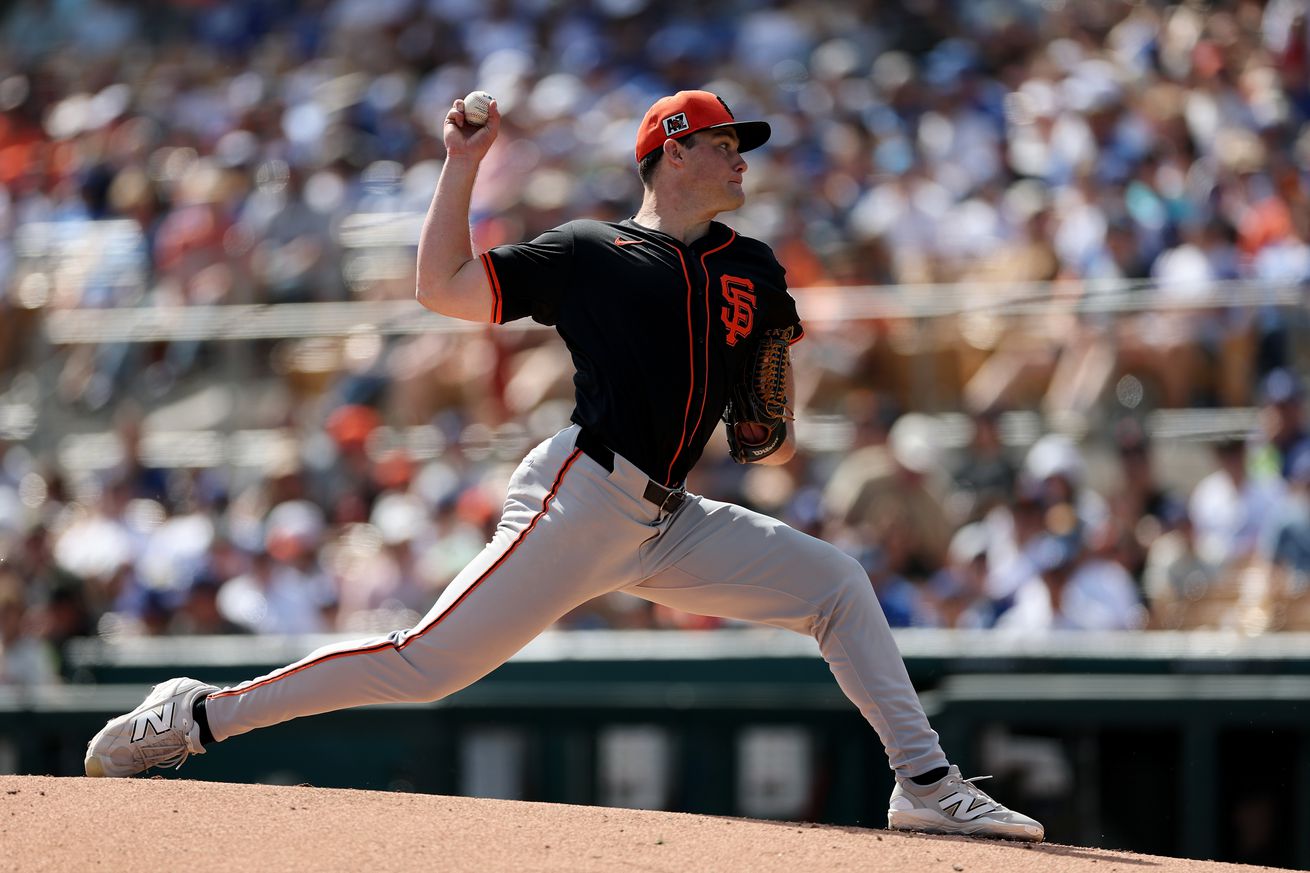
(658, 330)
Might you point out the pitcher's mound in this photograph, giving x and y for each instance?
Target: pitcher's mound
(61, 824)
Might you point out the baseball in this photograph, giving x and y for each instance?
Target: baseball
(752, 433)
(476, 106)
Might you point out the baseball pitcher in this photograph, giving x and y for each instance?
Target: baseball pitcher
(673, 321)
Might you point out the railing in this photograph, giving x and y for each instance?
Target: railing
(817, 306)
(21, 412)
(254, 448)
(110, 255)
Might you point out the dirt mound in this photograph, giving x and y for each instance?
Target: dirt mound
(61, 824)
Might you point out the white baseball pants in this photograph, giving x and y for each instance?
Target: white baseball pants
(572, 531)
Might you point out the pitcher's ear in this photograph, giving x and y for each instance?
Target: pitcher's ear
(674, 150)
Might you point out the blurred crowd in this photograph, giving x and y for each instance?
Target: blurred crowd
(1145, 158)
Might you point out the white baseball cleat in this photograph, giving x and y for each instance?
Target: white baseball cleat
(954, 805)
(158, 733)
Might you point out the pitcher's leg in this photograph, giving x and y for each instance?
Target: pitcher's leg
(727, 561)
(468, 633)
(531, 573)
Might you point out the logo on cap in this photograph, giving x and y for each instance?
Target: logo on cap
(675, 124)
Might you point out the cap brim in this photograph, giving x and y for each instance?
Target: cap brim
(750, 134)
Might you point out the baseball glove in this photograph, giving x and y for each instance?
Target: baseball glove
(757, 412)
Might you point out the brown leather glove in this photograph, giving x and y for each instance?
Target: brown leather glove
(757, 411)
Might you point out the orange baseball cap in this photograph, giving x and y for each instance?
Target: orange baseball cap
(689, 111)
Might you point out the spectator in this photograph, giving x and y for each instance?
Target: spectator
(1283, 437)
(901, 600)
(273, 598)
(889, 492)
(985, 475)
(1057, 469)
(1014, 532)
(1073, 591)
(956, 596)
(25, 659)
(1143, 495)
(1142, 508)
(199, 612)
(1176, 574)
(1228, 507)
(1285, 541)
(380, 571)
(285, 591)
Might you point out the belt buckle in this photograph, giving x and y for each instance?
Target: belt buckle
(676, 497)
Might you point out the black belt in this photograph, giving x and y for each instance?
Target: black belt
(667, 499)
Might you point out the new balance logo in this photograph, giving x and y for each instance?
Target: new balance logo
(977, 806)
(620, 241)
(158, 720)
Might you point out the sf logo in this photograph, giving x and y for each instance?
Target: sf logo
(739, 314)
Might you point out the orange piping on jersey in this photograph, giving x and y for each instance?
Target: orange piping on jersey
(495, 286)
(419, 632)
(691, 365)
(706, 387)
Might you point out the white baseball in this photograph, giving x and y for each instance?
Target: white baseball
(476, 106)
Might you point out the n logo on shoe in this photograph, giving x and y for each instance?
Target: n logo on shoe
(157, 720)
(977, 806)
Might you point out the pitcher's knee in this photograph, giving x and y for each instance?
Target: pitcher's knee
(848, 584)
(850, 575)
